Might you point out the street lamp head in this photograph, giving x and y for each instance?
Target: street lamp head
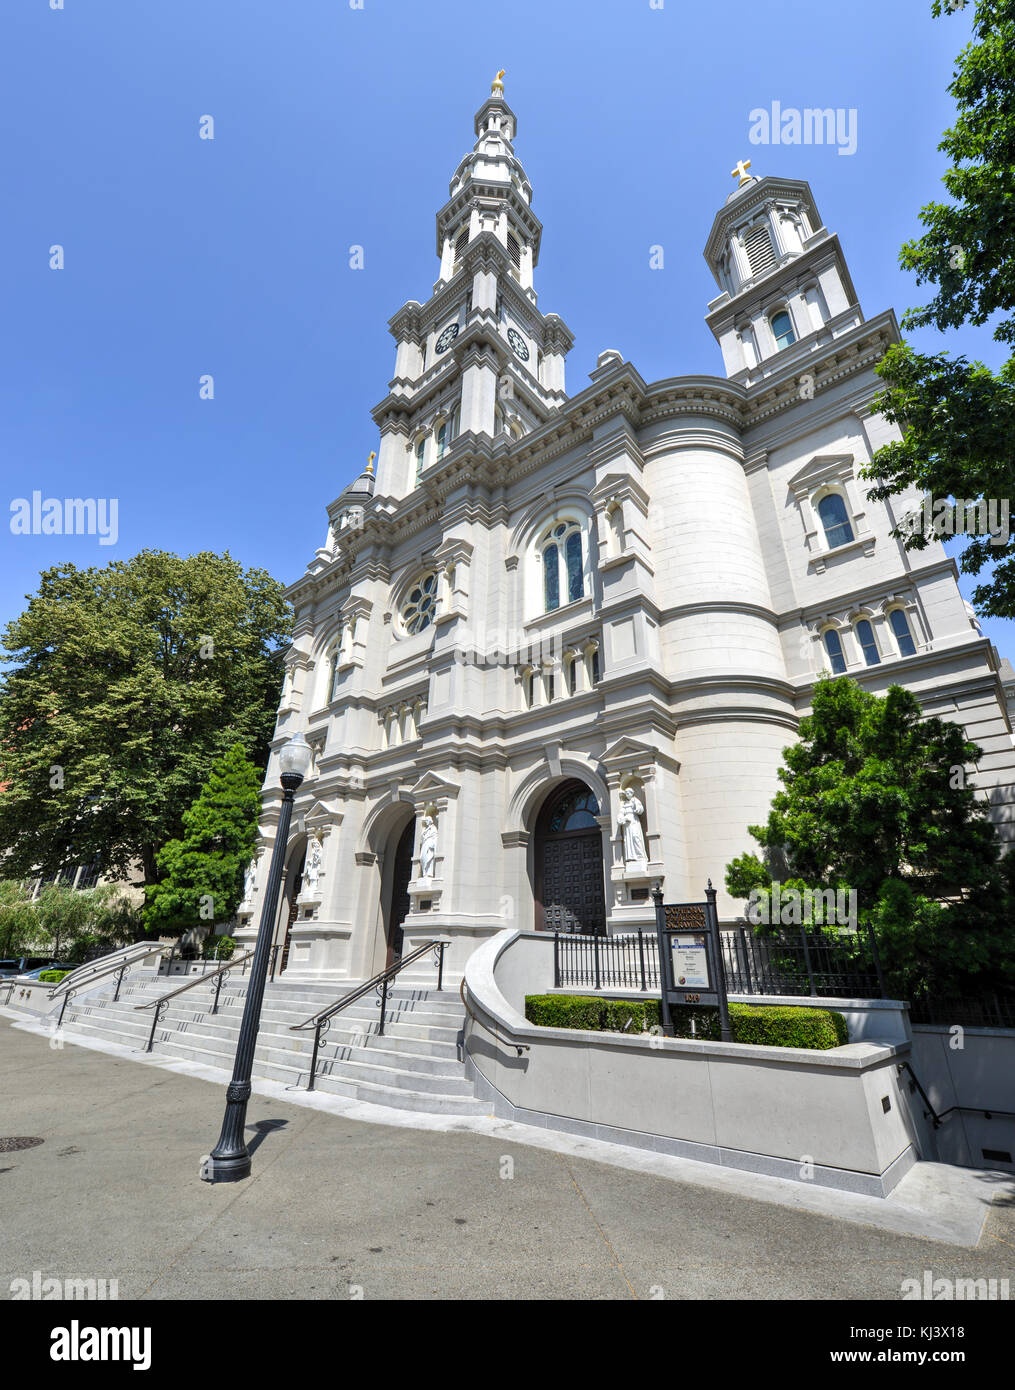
(294, 760)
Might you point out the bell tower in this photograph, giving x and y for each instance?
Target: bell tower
(479, 358)
(785, 285)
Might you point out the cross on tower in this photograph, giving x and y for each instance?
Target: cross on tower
(741, 170)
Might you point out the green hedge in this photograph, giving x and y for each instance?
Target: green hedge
(772, 1025)
(52, 977)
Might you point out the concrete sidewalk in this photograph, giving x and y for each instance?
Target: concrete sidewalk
(340, 1208)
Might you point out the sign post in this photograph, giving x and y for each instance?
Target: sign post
(690, 958)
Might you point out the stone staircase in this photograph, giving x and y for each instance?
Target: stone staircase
(414, 1066)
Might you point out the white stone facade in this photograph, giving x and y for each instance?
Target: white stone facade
(687, 634)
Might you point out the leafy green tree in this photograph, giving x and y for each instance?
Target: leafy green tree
(126, 684)
(958, 417)
(19, 924)
(875, 798)
(202, 872)
(71, 920)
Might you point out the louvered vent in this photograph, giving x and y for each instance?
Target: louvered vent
(462, 242)
(514, 251)
(759, 248)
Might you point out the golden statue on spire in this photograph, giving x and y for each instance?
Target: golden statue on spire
(370, 463)
(497, 86)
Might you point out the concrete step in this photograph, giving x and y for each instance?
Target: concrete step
(414, 1065)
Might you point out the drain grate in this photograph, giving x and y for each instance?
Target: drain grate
(8, 1145)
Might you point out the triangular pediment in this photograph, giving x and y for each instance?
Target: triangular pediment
(432, 785)
(323, 813)
(627, 748)
(822, 468)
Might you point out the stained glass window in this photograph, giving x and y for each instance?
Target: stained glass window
(575, 811)
(419, 607)
(551, 578)
(562, 540)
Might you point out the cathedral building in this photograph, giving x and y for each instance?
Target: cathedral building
(554, 642)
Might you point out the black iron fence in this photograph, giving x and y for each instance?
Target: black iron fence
(606, 962)
(788, 963)
(989, 1010)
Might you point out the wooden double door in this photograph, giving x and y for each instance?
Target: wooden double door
(569, 889)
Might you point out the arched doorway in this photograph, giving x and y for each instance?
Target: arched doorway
(568, 862)
(399, 902)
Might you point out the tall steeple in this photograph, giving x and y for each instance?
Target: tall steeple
(479, 358)
(786, 288)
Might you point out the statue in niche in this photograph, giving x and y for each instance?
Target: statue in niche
(631, 811)
(248, 879)
(312, 868)
(428, 847)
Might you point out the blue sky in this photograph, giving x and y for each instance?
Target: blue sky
(337, 126)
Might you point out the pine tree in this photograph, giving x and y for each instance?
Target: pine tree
(202, 872)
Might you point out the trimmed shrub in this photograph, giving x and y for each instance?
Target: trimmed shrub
(52, 977)
(770, 1025)
(565, 1011)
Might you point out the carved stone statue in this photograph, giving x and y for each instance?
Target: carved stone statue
(312, 868)
(248, 879)
(428, 847)
(631, 810)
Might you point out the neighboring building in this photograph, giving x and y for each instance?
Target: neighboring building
(553, 647)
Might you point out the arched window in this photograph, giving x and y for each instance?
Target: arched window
(334, 657)
(571, 662)
(576, 810)
(900, 626)
(420, 451)
(835, 520)
(833, 646)
(782, 328)
(446, 431)
(865, 636)
(419, 607)
(561, 549)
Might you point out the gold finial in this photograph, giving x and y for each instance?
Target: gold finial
(370, 462)
(497, 86)
(741, 171)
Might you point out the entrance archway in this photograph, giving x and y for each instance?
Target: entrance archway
(398, 907)
(568, 862)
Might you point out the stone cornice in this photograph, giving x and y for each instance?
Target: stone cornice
(766, 190)
(789, 270)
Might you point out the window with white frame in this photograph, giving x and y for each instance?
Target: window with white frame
(835, 519)
(833, 646)
(782, 329)
(868, 645)
(561, 557)
(331, 674)
(901, 631)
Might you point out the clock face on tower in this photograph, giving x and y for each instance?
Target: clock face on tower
(518, 343)
(447, 337)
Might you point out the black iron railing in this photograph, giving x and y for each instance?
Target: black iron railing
(789, 963)
(161, 1004)
(321, 1022)
(606, 962)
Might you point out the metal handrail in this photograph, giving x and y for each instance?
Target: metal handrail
(117, 963)
(321, 1021)
(161, 1004)
(490, 1027)
(93, 969)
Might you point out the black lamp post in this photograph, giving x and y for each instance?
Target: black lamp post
(229, 1160)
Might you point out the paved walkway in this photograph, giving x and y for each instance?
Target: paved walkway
(340, 1208)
